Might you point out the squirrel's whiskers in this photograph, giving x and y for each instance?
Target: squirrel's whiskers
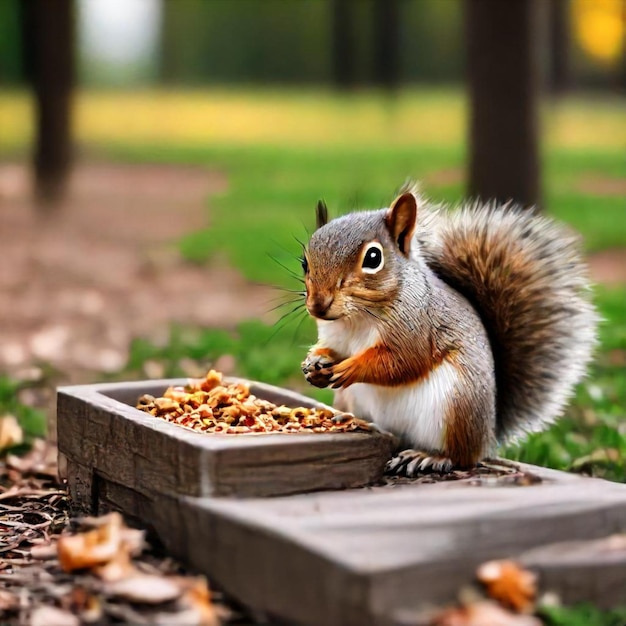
(289, 297)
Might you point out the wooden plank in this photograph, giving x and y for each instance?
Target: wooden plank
(583, 571)
(99, 427)
(361, 556)
(409, 546)
(80, 484)
(368, 556)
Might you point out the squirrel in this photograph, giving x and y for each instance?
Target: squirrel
(453, 330)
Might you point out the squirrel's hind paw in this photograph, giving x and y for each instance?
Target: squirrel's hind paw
(411, 463)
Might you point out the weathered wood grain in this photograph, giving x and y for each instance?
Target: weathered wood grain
(99, 427)
(366, 556)
(369, 556)
(408, 546)
(594, 570)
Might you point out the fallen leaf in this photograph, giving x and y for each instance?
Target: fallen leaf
(146, 589)
(92, 611)
(51, 616)
(8, 600)
(11, 433)
(601, 456)
(43, 552)
(509, 584)
(111, 542)
(41, 459)
(482, 614)
(198, 599)
(119, 567)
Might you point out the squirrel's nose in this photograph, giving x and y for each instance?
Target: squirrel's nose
(319, 305)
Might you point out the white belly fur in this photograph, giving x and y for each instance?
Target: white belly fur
(415, 412)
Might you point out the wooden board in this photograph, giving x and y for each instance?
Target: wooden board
(382, 555)
(374, 555)
(98, 427)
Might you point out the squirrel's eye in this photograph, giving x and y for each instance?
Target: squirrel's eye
(305, 264)
(373, 259)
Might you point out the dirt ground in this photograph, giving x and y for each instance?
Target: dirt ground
(78, 284)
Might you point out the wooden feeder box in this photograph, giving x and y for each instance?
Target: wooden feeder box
(299, 526)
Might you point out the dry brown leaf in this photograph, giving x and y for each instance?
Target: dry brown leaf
(107, 547)
(11, 433)
(198, 598)
(51, 616)
(146, 589)
(482, 614)
(509, 584)
(118, 568)
(43, 552)
(8, 600)
(92, 611)
(41, 459)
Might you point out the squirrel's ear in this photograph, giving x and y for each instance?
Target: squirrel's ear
(400, 220)
(321, 214)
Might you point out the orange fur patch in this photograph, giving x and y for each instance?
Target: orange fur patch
(379, 365)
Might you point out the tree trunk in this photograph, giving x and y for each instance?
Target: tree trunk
(621, 77)
(387, 44)
(503, 88)
(343, 42)
(559, 27)
(51, 34)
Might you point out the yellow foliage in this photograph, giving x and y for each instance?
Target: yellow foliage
(600, 27)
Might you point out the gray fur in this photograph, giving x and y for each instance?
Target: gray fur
(533, 295)
(515, 274)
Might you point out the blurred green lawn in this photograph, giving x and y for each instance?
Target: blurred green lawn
(282, 150)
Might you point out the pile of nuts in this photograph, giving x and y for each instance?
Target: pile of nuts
(209, 405)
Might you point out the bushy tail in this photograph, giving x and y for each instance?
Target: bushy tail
(524, 275)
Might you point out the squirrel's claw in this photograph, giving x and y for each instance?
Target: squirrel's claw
(317, 369)
(337, 380)
(411, 463)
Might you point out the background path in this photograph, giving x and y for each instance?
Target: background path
(76, 286)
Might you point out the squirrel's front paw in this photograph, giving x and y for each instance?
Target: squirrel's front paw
(317, 368)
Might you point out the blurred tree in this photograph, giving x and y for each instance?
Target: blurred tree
(343, 43)
(431, 36)
(620, 70)
(387, 43)
(559, 25)
(246, 41)
(10, 61)
(503, 87)
(48, 50)
(167, 47)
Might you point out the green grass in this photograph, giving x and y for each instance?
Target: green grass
(591, 437)
(32, 421)
(582, 615)
(272, 193)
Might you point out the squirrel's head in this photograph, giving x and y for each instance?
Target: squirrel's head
(353, 263)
